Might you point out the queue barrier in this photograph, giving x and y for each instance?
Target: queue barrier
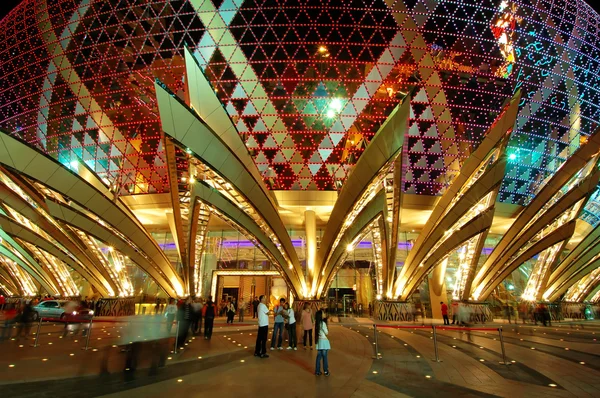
(435, 343)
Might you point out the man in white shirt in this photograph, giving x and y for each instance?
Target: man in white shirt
(263, 329)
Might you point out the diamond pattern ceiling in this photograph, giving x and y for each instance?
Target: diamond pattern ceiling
(307, 83)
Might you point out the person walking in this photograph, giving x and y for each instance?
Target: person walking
(323, 345)
(170, 312)
(11, 315)
(184, 316)
(278, 327)
(454, 312)
(24, 320)
(255, 304)
(263, 329)
(291, 318)
(307, 321)
(208, 312)
(196, 316)
(445, 313)
(241, 309)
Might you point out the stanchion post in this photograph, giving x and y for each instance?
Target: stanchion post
(435, 345)
(176, 337)
(37, 334)
(377, 356)
(504, 361)
(89, 333)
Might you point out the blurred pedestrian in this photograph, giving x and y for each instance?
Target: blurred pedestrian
(255, 303)
(184, 316)
(241, 309)
(208, 312)
(11, 314)
(323, 345)
(24, 320)
(196, 316)
(263, 329)
(170, 312)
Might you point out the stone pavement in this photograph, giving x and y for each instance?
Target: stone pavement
(557, 361)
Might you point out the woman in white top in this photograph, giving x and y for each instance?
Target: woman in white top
(323, 345)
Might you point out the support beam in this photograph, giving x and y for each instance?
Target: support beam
(86, 190)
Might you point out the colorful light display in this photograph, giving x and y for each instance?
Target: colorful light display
(307, 83)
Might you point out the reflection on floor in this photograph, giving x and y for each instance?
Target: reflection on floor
(558, 361)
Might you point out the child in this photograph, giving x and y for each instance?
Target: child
(323, 345)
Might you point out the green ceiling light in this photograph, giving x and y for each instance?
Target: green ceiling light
(512, 156)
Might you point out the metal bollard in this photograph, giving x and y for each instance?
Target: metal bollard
(377, 356)
(37, 334)
(89, 333)
(176, 337)
(435, 346)
(504, 361)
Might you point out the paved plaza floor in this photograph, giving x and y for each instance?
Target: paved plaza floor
(562, 360)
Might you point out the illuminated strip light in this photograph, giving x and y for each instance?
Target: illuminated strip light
(596, 297)
(52, 194)
(22, 278)
(477, 174)
(57, 268)
(7, 290)
(215, 181)
(251, 238)
(481, 206)
(466, 253)
(200, 238)
(117, 259)
(374, 187)
(564, 218)
(350, 248)
(24, 221)
(377, 256)
(577, 293)
(216, 274)
(540, 269)
(573, 182)
(93, 246)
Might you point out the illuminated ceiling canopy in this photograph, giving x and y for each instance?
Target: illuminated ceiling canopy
(307, 84)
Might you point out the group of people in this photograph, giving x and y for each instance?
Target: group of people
(535, 312)
(284, 318)
(461, 313)
(189, 314)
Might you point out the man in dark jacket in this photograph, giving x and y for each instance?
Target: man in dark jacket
(208, 312)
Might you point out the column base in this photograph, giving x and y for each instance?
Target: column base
(115, 307)
(478, 312)
(386, 310)
(314, 306)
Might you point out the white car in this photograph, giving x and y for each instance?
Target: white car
(56, 309)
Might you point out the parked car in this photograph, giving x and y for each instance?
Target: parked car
(61, 309)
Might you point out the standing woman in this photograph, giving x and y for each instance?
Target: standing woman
(230, 311)
(323, 345)
(307, 324)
